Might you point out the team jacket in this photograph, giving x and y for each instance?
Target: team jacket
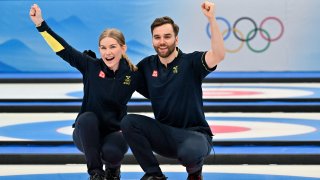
(175, 91)
(105, 93)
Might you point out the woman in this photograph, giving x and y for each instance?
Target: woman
(108, 85)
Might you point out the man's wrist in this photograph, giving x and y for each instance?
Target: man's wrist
(211, 18)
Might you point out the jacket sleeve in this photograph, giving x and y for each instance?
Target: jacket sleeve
(200, 66)
(142, 87)
(63, 49)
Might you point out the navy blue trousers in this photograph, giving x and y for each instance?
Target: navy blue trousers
(146, 135)
(99, 147)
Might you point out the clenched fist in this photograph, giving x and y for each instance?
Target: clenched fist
(35, 15)
(208, 9)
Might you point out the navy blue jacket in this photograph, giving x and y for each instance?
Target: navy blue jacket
(175, 91)
(106, 93)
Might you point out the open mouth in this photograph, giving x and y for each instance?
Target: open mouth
(109, 59)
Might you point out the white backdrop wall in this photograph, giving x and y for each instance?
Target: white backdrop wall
(292, 25)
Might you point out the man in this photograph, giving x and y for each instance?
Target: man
(174, 79)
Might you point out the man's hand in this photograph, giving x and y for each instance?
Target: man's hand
(35, 15)
(208, 9)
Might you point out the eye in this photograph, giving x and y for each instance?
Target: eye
(102, 47)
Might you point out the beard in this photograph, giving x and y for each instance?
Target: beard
(170, 50)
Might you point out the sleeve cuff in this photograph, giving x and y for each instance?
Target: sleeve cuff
(44, 26)
(204, 63)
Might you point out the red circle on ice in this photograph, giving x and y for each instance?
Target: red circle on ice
(227, 129)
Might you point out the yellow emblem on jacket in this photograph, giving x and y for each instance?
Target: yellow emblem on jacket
(127, 80)
(175, 69)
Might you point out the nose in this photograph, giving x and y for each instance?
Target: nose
(108, 51)
(161, 41)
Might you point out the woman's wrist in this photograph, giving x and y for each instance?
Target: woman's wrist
(39, 24)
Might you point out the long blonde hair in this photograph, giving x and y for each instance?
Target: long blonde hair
(119, 37)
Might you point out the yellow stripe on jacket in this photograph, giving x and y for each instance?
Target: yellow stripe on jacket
(52, 42)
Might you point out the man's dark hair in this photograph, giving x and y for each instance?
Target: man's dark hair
(165, 20)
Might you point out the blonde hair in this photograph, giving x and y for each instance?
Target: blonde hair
(119, 37)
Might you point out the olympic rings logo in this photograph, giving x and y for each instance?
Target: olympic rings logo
(250, 35)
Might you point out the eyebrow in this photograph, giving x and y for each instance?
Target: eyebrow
(109, 45)
(168, 34)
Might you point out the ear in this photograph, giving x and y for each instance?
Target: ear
(177, 40)
(124, 49)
